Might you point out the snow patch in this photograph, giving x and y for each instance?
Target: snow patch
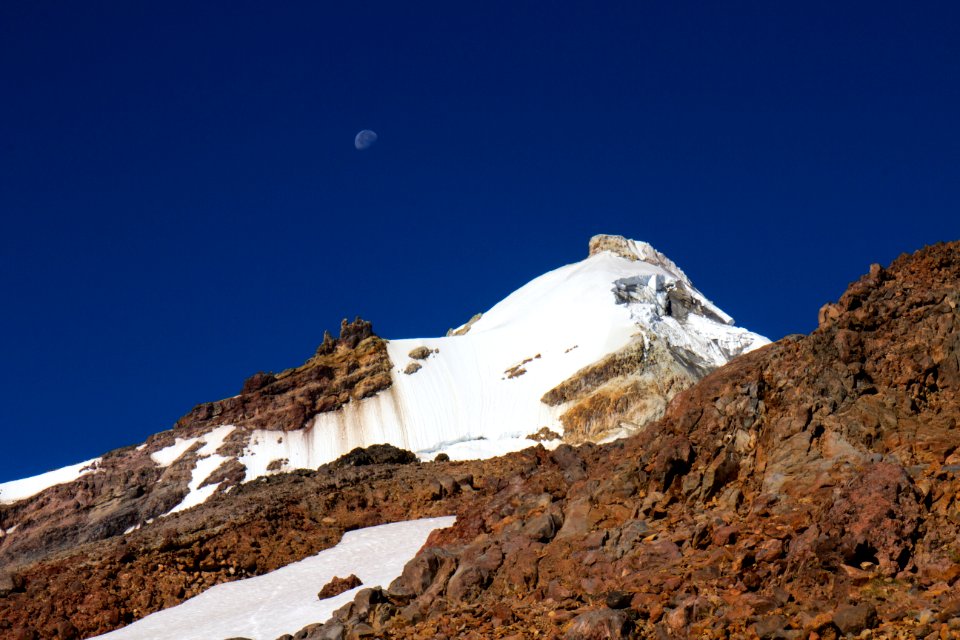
(211, 440)
(168, 455)
(208, 461)
(285, 600)
(197, 494)
(214, 439)
(15, 490)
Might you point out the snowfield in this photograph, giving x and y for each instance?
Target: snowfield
(285, 600)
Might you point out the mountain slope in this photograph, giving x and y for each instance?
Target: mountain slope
(590, 351)
(480, 390)
(809, 487)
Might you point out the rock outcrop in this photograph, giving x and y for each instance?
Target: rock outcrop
(127, 488)
(624, 392)
(338, 585)
(352, 367)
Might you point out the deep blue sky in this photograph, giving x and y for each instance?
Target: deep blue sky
(183, 206)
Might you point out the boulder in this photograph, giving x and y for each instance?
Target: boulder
(854, 618)
(420, 353)
(338, 585)
(602, 624)
(374, 454)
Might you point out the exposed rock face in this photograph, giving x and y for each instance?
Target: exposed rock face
(626, 390)
(464, 329)
(129, 488)
(352, 367)
(421, 353)
(626, 248)
(622, 393)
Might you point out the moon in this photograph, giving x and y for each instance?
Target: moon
(365, 139)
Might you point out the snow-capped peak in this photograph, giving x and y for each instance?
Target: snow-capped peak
(481, 390)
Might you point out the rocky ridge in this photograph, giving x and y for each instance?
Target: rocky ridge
(807, 489)
(350, 368)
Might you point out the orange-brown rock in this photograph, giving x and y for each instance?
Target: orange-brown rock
(338, 585)
(127, 488)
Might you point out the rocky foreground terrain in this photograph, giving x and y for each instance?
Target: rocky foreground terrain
(805, 490)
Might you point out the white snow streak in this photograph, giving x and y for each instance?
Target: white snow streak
(15, 490)
(211, 440)
(285, 600)
(168, 455)
(197, 494)
(208, 461)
